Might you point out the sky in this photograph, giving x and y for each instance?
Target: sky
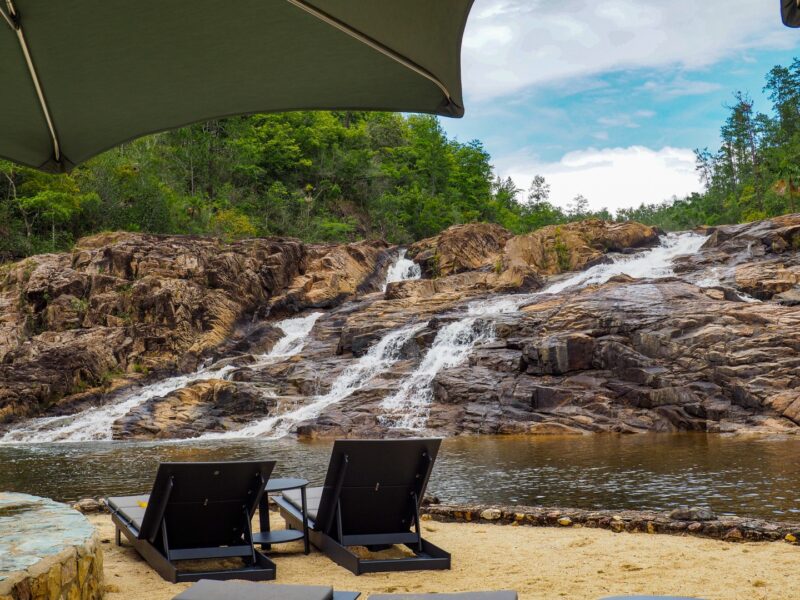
(609, 98)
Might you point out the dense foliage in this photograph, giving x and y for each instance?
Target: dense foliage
(320, 176)
(756, 171)
(339, 176)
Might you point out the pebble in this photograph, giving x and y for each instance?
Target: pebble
(692, 514)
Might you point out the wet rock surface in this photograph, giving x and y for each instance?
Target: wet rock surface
(121, 306)
(714, 346)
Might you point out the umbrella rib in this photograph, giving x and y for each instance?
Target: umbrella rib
(374, 44)
(12, 18)
(8, 19)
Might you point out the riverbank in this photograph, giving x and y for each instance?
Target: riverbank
(698, 522)
(540, 563)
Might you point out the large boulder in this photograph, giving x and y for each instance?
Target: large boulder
(574, 246)
(334, 273)
(461, 248)
(205, 406)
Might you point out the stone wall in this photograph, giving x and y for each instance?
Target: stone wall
(697, 522)
(73, 574)
(48, 551)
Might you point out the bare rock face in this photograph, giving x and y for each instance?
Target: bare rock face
(205, 406)
(714, 348)
(639, 356)
(575, 246)
(335, 272)
(481, 257)
(461, 248)
(121, 305)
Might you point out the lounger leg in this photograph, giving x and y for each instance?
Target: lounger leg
(119, 536)
(306, 546)
(263, 517)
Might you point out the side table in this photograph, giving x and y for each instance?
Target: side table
(266, 537)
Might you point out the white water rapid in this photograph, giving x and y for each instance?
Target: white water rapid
(402, 269)
(378, 359)
(653, 263)
(408, 407)
(95, 423)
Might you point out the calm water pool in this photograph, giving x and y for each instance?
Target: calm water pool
(750, 476)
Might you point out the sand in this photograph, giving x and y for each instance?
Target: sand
(547, 563)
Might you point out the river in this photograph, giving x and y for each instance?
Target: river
(745, 476)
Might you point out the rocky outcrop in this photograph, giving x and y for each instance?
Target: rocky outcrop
(121, 306)
(480, 257)
(692, 352)
(333, 273)
(575, 246)
(205, 406)
(461, 248)
(638, 356)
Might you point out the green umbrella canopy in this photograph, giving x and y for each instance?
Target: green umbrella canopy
(78, 77)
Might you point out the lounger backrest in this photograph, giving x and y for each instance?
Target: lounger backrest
(377, 482)
(204, 504)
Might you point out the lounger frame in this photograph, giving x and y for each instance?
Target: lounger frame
(153, 544)
(330, 535)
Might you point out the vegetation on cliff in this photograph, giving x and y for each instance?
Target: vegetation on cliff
(754, 174)
(319, 176)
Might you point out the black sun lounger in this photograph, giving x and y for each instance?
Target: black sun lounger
(206, 589)
(371, 497)
(504, 595)
(197, 511)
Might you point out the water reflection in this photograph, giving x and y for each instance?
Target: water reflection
(753, 476)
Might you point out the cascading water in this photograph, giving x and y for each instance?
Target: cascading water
(294, 339)
(95, 423)
(408, 408)
(653, 263)
(402, 269)
(378, 359)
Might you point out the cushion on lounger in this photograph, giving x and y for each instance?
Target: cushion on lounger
(207, 589)
(313, 497)
(131, 508)
(504, 595)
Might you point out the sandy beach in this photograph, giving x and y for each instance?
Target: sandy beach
(540, 563)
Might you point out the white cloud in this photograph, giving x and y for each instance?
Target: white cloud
(612, 178)
(511, 45)
(681, 87)
(628, 120)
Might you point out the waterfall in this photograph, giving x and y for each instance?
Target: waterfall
(402, 269)
(296, 333)
(378, 359)
(653, 263)
(408, 407)
(95, 423)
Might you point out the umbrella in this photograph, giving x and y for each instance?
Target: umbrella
(78, 77)
(790, 11)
